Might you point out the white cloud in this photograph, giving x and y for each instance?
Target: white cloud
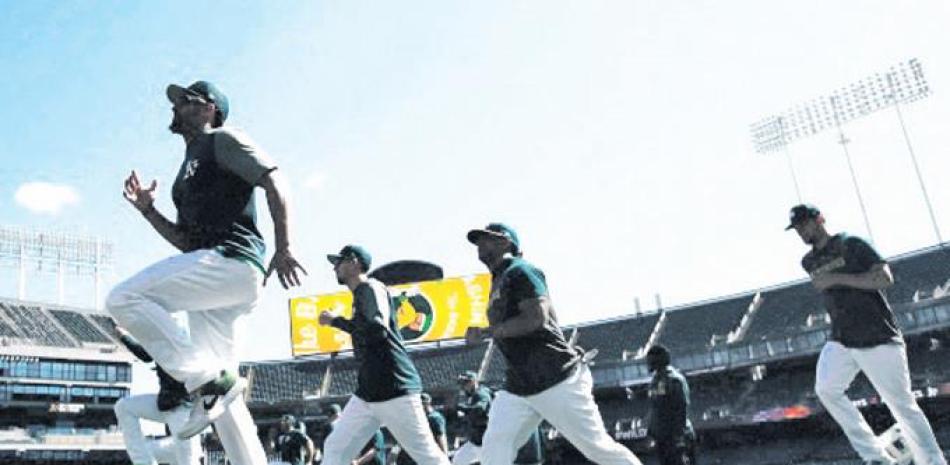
(45, 198)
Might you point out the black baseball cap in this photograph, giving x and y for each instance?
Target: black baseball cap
(425, 398)
(333, 409)
(289, 418)
(468, 375)
(203, 89)
(352, 251)
(801, 213)
(497, 230)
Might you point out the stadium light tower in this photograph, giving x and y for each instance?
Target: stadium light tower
(60, 253)
(900, 84)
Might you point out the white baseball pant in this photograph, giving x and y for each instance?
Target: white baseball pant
(403, 416)
(216, 292)
(468, 453)
(130, 410)
(886, 368)
(568, 406)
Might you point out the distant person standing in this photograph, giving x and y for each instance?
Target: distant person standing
(474, 408)
(436, 425)
(668, 422)
(851, 277)
(292, 445)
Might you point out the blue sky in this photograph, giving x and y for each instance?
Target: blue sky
(613, 135)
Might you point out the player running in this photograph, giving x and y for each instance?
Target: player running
(851, 276)
(546, 377)
(388, 385)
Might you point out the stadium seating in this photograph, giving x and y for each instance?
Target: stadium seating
(784, 310)
(440, 368)
(7, 330)
(693, 327)
(343, 377)
(107, 324)
(34, 324)
(79, 326)
(919, 274)
(613, 338)
(274, 382)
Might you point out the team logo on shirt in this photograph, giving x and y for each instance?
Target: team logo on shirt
(190, 169)
(828, 267)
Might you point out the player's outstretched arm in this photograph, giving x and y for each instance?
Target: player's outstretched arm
(143, 199)
(283, 262)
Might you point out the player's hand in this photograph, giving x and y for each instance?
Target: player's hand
(325, 318)
(142, 198)
(286, 267)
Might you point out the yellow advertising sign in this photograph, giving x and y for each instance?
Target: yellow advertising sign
(428, 311)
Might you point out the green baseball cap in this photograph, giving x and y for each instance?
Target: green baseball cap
(497, 230)
(801, 213)
(352, 251)
(203, 89)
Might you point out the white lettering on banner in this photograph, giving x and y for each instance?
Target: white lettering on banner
(306, 310)
(308, 334)
(638, 433)
(63, 407)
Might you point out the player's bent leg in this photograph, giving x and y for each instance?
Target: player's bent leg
(163, 449)
(217, 331)
(128, 412)
(406, 420)
(511, 421)
(143, 302)
(351, 432)
(570, 407)
(834, 372)
(887, 369)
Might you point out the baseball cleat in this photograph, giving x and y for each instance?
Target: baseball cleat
(213, 399)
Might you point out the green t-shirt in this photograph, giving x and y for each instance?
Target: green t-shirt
(538, 360)
(386, 371)
(859, 317)
(214, 194)
(476, 405)
(669, 405)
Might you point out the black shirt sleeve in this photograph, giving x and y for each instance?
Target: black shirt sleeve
(343, 324)
(523, 282)
(136, 348)
(862, 252)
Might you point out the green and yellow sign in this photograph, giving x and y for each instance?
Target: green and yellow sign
(426, 312)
